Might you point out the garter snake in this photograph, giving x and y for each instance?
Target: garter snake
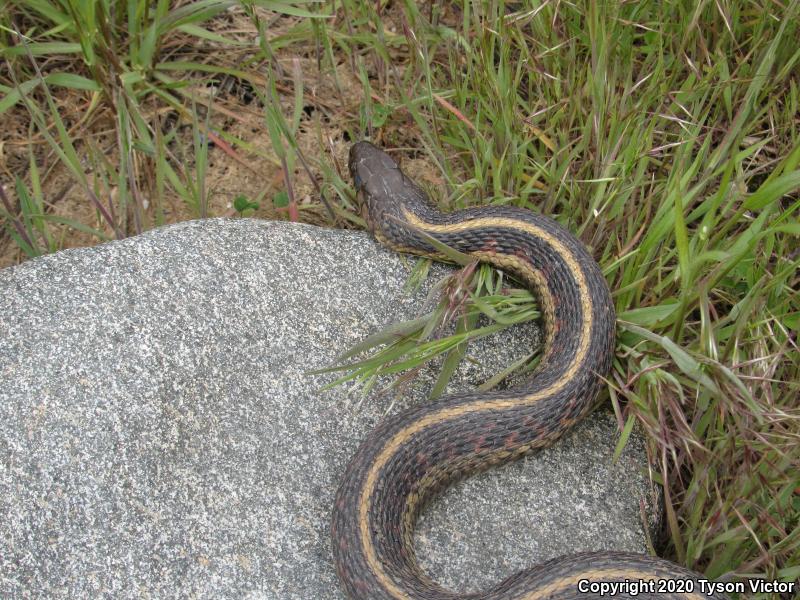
(413, 455)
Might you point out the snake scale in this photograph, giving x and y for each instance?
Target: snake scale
(413, 455)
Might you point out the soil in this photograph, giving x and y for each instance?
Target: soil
(332, 103)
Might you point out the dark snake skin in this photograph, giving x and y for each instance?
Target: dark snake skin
(413, 455)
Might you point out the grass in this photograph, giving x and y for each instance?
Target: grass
(666, 134)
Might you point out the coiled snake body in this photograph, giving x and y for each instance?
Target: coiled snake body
(411, 456)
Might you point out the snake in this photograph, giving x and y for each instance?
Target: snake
(412, 456)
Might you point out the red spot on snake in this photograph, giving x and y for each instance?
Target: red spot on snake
(511, 440)
(490, 246)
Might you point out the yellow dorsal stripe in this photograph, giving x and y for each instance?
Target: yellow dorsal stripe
(402, 436)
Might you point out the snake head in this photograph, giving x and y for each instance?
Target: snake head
(368, 166)
(373, 172)
(382, 189)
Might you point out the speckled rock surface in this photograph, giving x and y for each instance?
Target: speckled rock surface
(159, 435)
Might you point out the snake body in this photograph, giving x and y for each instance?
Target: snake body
(413, 455)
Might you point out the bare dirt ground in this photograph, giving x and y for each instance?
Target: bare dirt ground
(332, 101)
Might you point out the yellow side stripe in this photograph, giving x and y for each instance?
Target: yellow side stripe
(571, 581)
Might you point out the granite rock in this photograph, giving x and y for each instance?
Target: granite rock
(160, 435)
